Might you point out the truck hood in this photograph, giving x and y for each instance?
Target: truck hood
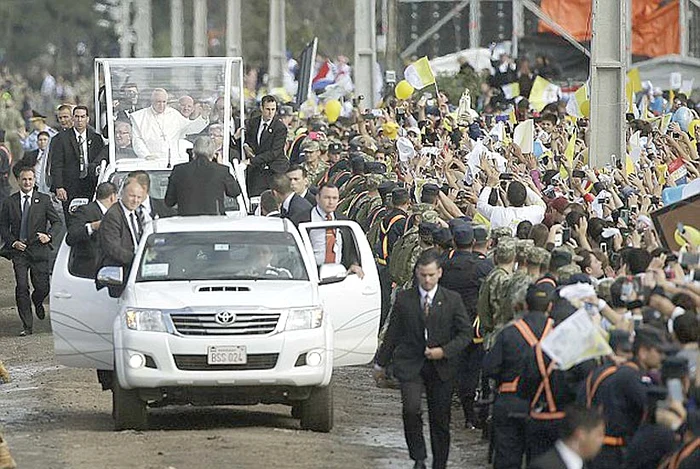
(261, 294)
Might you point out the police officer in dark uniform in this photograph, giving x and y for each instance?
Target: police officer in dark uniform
(393, 226)
(463, 272)
(504, 363)
(621, 391)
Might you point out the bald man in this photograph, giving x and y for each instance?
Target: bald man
(157, 129)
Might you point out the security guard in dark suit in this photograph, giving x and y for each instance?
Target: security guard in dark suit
(504, 362)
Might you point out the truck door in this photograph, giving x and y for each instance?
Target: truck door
(81, 316)
(353, 304)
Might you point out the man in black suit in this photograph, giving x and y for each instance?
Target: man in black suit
(23, 223)
(582, 435)
(75, 155)
(121, 229)
(331, 246)
(83, 228)
(264, 147)
(39, 160)
(292, 206)
(198, 187)
(150, 208)
(299, 177)
(427, 331)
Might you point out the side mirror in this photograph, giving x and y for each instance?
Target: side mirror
(332, 273)
(110, 276)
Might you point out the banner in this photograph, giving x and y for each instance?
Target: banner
(306, 68)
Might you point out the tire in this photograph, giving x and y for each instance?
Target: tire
(317, 410)
(128, 409)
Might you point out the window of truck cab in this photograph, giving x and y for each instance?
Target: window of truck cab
(242, 255)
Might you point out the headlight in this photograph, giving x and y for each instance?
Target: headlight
(304, 318)
(145, 320)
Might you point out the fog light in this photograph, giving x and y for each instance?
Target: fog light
(313, 358)
(137, 361)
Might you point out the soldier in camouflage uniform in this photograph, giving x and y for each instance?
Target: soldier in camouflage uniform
(315, 167)
(370, 189)
(417, 239)
(497, 234)
(521, 276)
(370, 202)
(491, 306)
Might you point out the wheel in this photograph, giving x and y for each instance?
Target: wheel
(317, 410)
(128, 409)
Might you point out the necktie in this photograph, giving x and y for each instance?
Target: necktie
(24, 224)
(426, 305)
(140, 215)
(330, 243)
(83, 165)
(264, 128)
(135, 227)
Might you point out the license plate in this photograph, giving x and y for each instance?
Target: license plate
(229, 355)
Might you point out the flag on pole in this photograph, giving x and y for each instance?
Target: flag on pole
(579, 104)
(634, 80)
(569, 155)
(542, 93)
(419, 74)
(511, 90)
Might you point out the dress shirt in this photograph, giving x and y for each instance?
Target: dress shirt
(40, 171)
(127, 214)
(429, 293)
(78, 136)
(88, 226)
(21, 199)
(260, 129)
(571, 459)
(287, 202)
(147, 210)
(318, 238)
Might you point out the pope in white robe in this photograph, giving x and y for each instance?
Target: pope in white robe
(157, 130)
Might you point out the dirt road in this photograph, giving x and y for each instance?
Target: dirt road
(56, 417)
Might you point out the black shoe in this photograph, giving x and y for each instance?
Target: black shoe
(419, 464)
(25, 332)
(40, 311)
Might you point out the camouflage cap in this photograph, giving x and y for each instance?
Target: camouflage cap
(372, 182)
(603, 289)
(430, 216)
(522, 247)
(505, 250)
(323, 145)
(310, 145)
(421, 208)
(567, 271)
(500, 232)
(537, 255)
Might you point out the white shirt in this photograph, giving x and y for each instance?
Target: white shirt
(78, 136)
(499, 216)
(159, 134)
(260, 129)
(147, 209)
(40, 171)
(287, 202)
(127, 214)
(22, 196)
(318, 239)
(571, 459)
(88, 226)
(426, 296)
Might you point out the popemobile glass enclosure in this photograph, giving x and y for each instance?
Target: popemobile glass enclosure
(151, 110)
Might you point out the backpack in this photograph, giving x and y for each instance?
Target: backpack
(400, 265)
(374, 222)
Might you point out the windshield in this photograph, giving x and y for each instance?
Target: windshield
(159, 185)
(252, 255)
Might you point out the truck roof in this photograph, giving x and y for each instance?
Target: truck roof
(233, 222)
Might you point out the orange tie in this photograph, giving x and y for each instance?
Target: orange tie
(330, 243)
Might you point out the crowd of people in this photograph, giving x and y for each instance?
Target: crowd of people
(483, 249)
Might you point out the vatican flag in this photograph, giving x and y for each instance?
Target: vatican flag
(419, 74)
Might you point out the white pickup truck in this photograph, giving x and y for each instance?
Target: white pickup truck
(220, 310)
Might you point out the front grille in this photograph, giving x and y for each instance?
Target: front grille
(262, 361)
(252, 323)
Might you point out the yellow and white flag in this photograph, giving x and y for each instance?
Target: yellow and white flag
(511, 90)
(580, 104)
(569, 155)
(542, 93)
(419, 74)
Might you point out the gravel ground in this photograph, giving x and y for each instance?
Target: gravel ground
(57, 417)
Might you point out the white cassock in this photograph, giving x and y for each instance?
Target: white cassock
(157, 134)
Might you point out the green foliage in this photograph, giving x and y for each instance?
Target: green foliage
(453, 86)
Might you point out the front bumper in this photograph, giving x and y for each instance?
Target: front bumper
(181, 361)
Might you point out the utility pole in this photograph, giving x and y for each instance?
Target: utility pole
(143, 29)
(518, 26)
(475, 23)
(234, 41)
(365, 52)
(199, 29)
(683, 30)
(608, 76)
(392, 35)
(278, 48)
(177, 33)
(124, 29)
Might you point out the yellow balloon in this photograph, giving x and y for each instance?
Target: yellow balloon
(333, 108)
(691, 233)
(586, 108)
(403, 90)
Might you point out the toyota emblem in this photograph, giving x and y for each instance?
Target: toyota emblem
(225, 317)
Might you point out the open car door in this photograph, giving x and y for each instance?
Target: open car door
(353, 304)
(81, 316)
